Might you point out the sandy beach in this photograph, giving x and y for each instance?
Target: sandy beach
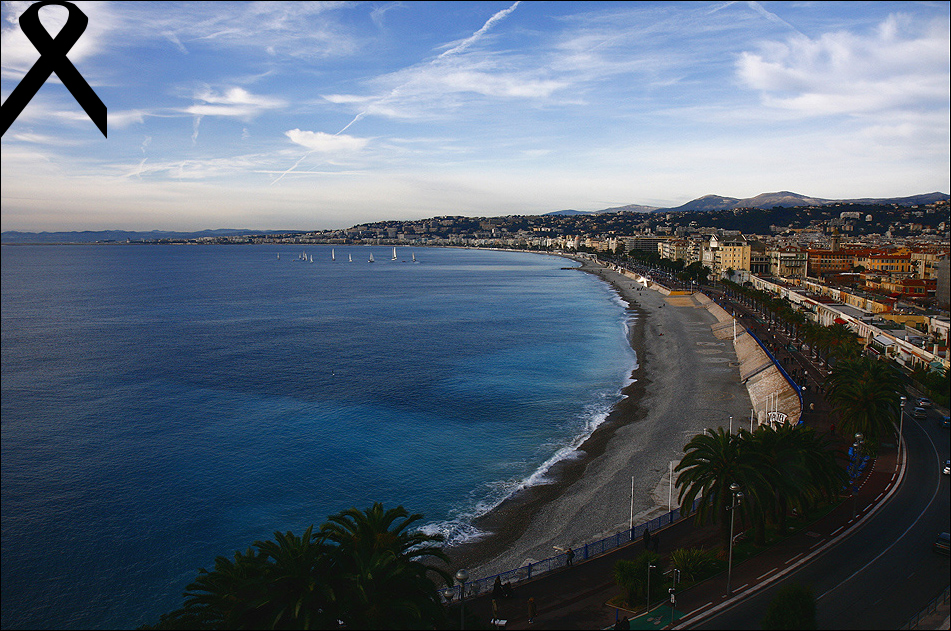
(686, 380)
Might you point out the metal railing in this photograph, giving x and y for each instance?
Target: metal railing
(579, 553)
(782, 371)
(928, 609)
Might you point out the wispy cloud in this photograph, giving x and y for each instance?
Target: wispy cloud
(901, 64)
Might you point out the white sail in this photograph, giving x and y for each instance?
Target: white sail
(394, 253)
(333, 255)
(371, 257)
(414, 257)
(351, 257)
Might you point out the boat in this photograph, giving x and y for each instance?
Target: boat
(333, 255)
(414, 258)
(371, 257)
(311, 258)
(278, 256)
(394, 254)
(351, 257)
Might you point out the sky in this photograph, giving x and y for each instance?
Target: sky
(324, 115)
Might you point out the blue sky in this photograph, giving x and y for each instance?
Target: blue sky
(325, 115)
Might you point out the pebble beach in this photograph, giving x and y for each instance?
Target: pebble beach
(686, 380)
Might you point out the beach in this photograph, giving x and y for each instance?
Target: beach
(686, 380)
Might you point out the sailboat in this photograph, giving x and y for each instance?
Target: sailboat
(351, 257)
(394, 253)
(333, 255)
(371, 257)
(414, 257)
(278, 256)
(311, 258)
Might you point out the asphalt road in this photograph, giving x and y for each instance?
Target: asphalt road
(885, 571)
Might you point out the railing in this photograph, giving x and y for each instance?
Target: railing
(928, 609)
(580, 553)
(782, 370)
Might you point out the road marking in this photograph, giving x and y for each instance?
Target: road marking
(818, 543)
(759, 578)
(742, 587)
(794, 558)
(836, 531)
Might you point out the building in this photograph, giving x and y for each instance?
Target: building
(788, 262)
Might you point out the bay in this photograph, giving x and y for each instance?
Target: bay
(162, 405)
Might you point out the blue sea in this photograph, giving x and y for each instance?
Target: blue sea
(163, 405)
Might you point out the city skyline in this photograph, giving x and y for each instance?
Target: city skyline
(326, 115)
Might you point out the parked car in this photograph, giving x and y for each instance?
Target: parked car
(947, 467)
(920, 413)
(946, 421)
(942, 543)
(924, 402)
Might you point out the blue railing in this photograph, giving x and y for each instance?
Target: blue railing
(782, 370)
(580, 553)
(928, 609)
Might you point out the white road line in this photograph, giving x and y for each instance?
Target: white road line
(759, 578)
(794, 558)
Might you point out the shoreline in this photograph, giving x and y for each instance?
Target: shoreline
(589, 497)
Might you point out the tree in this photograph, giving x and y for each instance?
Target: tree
(381, 569)
(631, 576)
(793, 607)
(711, 463)
(801, 468)
(866, 394)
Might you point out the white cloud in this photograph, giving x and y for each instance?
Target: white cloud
(236, 102)
(902, 64)
(326, 143)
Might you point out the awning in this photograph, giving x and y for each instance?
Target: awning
(883, 341)
(840, 321)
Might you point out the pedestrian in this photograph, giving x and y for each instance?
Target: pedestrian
(495, 610)
(570, 556)
(647, 538)
(497, 589)
(532, 612)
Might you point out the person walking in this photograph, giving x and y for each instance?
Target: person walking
(570, 556)
(532, 611)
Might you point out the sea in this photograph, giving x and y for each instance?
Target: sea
(166, 404)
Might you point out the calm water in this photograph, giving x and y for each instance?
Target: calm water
(162, 405)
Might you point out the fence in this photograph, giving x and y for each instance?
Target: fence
(782, 370)
(581, 553)
(929, 609)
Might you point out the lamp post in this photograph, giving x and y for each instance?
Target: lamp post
(853, 476)
(462, 576)
(737, 498)
(901, 421)
(650, 566)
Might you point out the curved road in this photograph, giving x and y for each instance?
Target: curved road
(883, 572)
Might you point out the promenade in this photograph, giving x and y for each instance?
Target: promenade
(576, 597)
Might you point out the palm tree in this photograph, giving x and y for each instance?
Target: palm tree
(232, 596)
(381, 569)
(712, 462)
(866, 394)
(800, 467)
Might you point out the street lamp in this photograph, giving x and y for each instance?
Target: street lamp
(650, 566)
(856, 448)
(901, 422)
(462, 576)
(737, 498)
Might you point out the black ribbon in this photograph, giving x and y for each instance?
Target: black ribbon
(53, 59)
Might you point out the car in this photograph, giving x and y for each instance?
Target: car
(947, 467)
(920, 413)
(946, 421)
(942, 543)
(924, 402)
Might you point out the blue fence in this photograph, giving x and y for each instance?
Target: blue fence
(580, 553)
(782, 370)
